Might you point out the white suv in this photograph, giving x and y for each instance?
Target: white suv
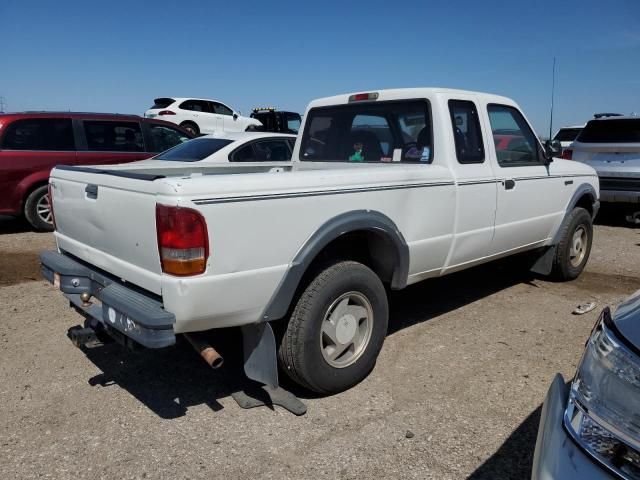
(200, 116)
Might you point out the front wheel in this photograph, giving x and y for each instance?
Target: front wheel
(37, 209)
(337, 329)
(574, 247)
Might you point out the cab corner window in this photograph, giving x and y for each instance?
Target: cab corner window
(466, 131)
(516, 144)
(392, 131)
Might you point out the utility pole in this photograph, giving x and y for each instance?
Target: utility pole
(553, 87)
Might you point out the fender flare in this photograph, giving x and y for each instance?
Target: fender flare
(544, 263)
(582, 190)
(356, 220)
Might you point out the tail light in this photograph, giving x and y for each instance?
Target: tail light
(567, 154)
(166, 112)
(53, 217)
(183, 241)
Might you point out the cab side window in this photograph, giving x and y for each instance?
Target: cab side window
(516, 144)
(466, 131)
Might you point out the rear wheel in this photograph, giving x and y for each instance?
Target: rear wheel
(336, 330)
(191, 127)
(574, 247)
(37, 209)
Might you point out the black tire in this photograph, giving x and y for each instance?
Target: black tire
(34, 210)
(301, 351)
(191, 127)
(568, 266)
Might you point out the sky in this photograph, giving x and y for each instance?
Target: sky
(117, 56)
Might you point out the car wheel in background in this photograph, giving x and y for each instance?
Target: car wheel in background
(337, 329)
(191, 127)
(574, 247)
(37, 209)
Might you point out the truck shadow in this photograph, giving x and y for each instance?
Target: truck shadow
(170, 380)
(514, 459)
(13, 225)
(434, 297)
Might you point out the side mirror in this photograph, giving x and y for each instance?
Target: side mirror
(552, 149)
(235, 116)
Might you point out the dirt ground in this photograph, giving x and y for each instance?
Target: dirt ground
(456, 392)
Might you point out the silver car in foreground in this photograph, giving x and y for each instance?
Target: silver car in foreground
(591, 428)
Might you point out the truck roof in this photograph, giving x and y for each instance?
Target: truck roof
(404, 93)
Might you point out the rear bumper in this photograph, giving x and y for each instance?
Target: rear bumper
(556, 456)
(131, 312)
(619, 188)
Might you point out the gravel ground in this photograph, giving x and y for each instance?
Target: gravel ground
(456, 392)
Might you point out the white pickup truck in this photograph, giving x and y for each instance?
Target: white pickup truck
(385, 189)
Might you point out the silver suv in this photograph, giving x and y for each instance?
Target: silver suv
(612, 147)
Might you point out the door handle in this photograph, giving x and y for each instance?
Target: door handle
(509, 184)
(91, 191)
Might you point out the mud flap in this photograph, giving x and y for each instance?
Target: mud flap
(544, 263)
(259, 347)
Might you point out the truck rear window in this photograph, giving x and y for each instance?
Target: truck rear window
(611, 131)
(193, 150)
(369, 132)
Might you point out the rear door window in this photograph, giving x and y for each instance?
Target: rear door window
(369, 132)
(272, 151)
(196, 106)
(467, 134)
(54, 134)
(113, 136)
(165, 137)
(611, 131)
(243, 154)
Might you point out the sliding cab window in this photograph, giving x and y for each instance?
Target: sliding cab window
(44, 134)
(516, 144)
(394, 131)
(466, 131)
(113, 136)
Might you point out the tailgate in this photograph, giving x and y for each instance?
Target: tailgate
(108, 221)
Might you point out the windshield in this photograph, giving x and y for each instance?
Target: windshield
(193, 150)
(611, 131)
(369, 132)
(567, 134)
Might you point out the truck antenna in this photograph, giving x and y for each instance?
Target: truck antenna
(553, 87)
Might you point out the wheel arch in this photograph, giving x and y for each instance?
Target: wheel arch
(386, 253)
(585, 197)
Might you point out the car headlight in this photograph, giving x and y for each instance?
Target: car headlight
(603, 411)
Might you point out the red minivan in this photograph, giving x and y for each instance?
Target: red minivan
(32, 143)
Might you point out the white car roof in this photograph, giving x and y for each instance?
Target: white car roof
(235, 136)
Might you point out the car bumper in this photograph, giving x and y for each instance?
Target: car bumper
(121, 309)
(556, 456)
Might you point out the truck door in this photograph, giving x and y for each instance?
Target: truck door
(476, 182)
(530, 197)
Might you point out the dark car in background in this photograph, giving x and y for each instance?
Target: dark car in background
(277, 121)
(32, 143)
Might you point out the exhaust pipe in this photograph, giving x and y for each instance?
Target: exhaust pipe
(206, 351)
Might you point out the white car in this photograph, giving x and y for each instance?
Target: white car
(200, 116)
(384, 189)
(225, 147)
